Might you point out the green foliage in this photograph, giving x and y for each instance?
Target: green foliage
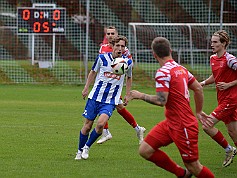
(70, 72)
(39, 137)
(141, 78)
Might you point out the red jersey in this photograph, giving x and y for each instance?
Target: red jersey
(105, 41)
(106, 48)
(175, 79)
(224, 69)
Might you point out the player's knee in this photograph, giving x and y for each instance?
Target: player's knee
(143, 152)
(86, 129)
(100, 126)
(194, 167)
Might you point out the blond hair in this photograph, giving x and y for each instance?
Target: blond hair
(224, 37)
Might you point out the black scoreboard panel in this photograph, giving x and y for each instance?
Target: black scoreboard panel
(41, 20)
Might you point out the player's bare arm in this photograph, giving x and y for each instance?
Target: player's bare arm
(205, 120)
(90, 79)
(198, 98)
(159, 99)
(128, 89)
(224, 86)
(208, 81)
(198, 95)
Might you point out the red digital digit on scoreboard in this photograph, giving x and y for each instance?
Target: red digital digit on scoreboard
(41, 20)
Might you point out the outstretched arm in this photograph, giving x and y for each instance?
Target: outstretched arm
(128, 89)
(208, 81)
(159, 99)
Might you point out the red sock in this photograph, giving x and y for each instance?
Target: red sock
(128, 117)
(162, 160)
(205, 173)
(220, 139)
(106, 125)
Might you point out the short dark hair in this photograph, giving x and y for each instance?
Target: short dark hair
(118, 38)
(161, 46)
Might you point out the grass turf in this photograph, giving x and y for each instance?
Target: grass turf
(39, 137)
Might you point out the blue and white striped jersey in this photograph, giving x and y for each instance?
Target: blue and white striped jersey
(108, 86)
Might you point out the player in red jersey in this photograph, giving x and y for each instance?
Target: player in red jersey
(105, 40)
(224, 75)
(180, 125)
(111, 32)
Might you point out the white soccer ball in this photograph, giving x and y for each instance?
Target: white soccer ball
(119, 66)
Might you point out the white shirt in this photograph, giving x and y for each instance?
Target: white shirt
(108, 86)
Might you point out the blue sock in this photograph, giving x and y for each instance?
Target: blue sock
(82, 141)
(93, 137)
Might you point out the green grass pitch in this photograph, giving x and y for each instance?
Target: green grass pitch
(39, 129)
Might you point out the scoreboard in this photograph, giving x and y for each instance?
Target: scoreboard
(41, 20)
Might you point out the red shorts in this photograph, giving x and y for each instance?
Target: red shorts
(225, 112)
(185, 139)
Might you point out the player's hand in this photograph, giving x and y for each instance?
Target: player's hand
(223, 85)
(134, 94)
(202, 83)
(128, 97)
(125, 101)
(205, 120)
(85, 92)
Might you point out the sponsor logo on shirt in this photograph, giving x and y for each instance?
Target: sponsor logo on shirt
(112, 75)
(179, 72)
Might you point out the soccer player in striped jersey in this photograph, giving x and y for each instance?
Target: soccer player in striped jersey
(180, 125)
(111, 32)
(104, 96)
(224, 75)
